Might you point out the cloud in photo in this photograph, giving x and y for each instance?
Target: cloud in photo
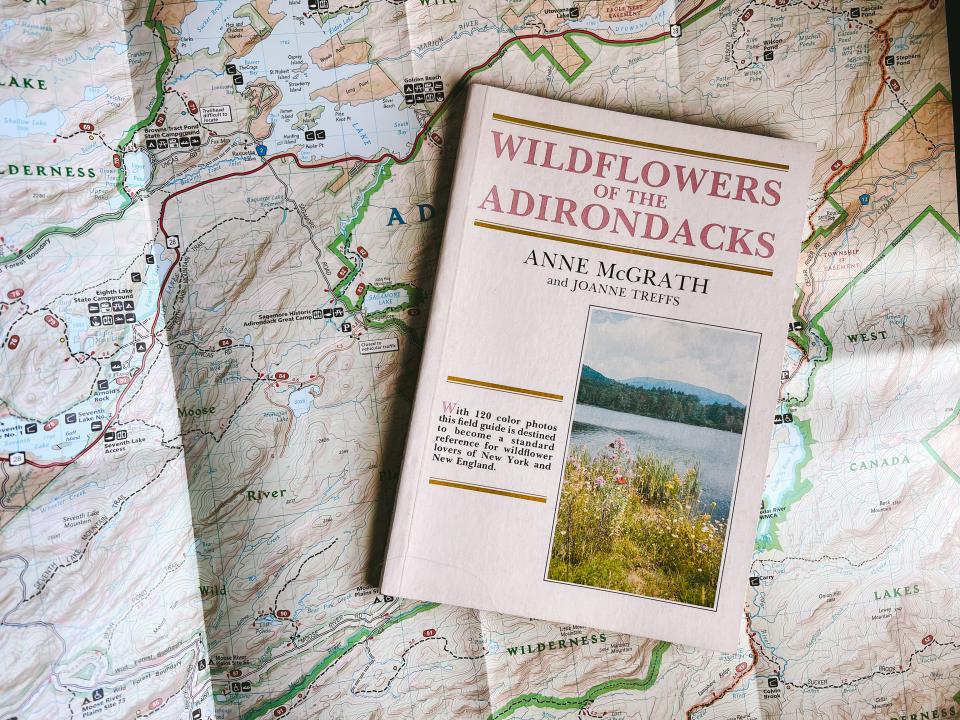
(624, 346)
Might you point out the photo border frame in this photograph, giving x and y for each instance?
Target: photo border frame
(736, 481)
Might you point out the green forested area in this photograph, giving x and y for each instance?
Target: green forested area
(600, 391)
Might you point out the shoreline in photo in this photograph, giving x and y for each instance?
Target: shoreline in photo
(652, 457)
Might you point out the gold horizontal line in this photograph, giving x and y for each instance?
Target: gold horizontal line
(622, 248)
(504, 388)
(488, 490)
(640, 143)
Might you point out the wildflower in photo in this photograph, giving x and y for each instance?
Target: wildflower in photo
(619, 446)
(654, 540)
(652, 456)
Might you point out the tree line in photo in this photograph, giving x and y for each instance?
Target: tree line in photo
(662, 403)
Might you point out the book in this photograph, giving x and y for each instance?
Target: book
(601, 370)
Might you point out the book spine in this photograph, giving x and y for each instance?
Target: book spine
(404, 512)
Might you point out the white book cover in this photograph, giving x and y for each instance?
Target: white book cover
(601, 372)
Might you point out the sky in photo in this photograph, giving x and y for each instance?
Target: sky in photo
(624, 346)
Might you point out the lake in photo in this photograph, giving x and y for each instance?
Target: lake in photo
(715, 451)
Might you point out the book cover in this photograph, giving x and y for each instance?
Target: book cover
(601, 372)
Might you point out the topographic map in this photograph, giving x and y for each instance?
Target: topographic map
(220, 222)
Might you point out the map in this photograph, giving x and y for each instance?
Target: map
(220, 224)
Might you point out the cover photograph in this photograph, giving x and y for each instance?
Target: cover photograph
(592, 420)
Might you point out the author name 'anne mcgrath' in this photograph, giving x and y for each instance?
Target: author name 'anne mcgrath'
(614, 271)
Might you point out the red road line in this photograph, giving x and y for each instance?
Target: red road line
(126, 388)
(426, 126)
(736, 681)
(881, 29)
(313, 166)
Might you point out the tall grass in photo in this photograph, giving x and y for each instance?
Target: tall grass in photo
(635, 523)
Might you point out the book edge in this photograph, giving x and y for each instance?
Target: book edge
(625, 117)
(392, 579)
